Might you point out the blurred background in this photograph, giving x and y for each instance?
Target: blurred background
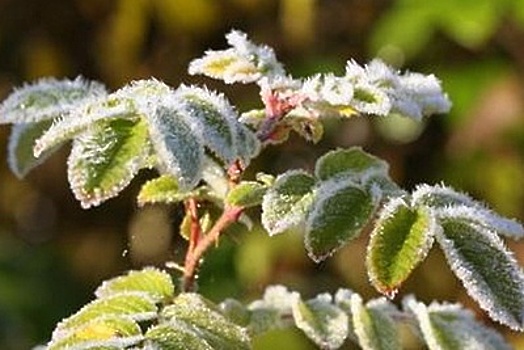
(53, 254)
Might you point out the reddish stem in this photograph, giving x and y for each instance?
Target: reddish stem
(195, 229)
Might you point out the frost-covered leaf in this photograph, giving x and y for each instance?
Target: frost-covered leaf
(349, 162)
(105, 332)
(163, 189)
(375, 328)
(448, 326)
(215, 118)
(248, 145)
(235, 311)
(273, 311)
(339, 212)
(138, 306)
(440, 196)
(246, 194)
(20, 148)
(324, 323)
(244, 62)
(489, 272)
(178, 144)
(210, 324)
(175, 335)
(305, 124)
(158, 284)
(342, 299)
(104, 160)
(47, 99)
(285, 205)
(400, 240)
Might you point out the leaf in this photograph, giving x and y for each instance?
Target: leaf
(324, 323)
(375, 329)
(108, 331)
(305, 124)
(215, 118)
(20, 149)
(339, 212)
(441, 196)
(349, 162)
(47, 99)
(178, 144)
(212, 326)
(235, 311)
(285, 205)
(343, 301)
(163, 189)
(104, 160)
(139, 306)
(448, 326)
(246, 194)
(215, 176)
(490, 274)
(175, 335)
(248, 146)
(400, 240)
(156, 283)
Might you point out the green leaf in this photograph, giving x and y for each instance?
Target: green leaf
(156, 283)
(235, 311)
(306, 125)
(490, 274)
(246, 194)
(211, 325)
(175, 335)
(138, 306)
(108, 332)
(104, 160)
(324, 323)
(343, 301)
(375, 328)
(449, 326)
(349, 162)
(178, 144)
(339, 212)
(248, 145)
(400, 240)
(20, 149)
(163, 189)
(285, 205)
(47, 99)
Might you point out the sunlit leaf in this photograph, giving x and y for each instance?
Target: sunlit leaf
(158, 284)
(107, 332)
(20, 149)
(163, 189)
(284, 206)
(448, 326)
(375, 328)
(246, 194)
(352, 162)
(105, 159)
(339, 212)
(178, 144)
(489, 272)
(174, 335)
(400, 240)
(211, 325)
(342, 299)
(47, 99)
(324, 323)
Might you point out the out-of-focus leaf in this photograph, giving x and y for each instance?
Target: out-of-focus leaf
(489, 272)
(104, 160)
(339, 212)
(284, 205)
(400, 240)
(324, 323)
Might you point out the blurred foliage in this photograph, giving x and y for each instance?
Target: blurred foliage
(47, 242)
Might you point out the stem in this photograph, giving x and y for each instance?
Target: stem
(193, 257)
(195, 229)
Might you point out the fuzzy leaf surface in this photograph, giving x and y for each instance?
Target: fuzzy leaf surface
(324, 323)
(158, 284)
(178, 144)
(211, 325)
(163, 189)
(20, 148)
(285, 205)
(104, 160)
(490, 274)
(400, 240)
(47, 99)
(246, 194)
(339, 212)
(176, 335)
